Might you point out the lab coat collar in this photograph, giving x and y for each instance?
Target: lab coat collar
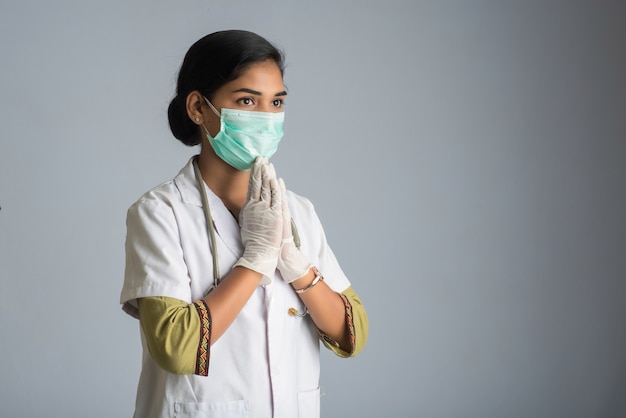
(225, 224)
(188, 186)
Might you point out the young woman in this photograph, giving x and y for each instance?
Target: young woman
(230, 274)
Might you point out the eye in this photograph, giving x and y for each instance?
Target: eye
(278, 103)
(246, 101)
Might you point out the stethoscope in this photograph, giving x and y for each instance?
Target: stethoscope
(211, 225)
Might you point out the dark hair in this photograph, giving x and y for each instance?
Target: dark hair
(211, 62)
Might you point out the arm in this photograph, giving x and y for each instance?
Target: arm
(261, 234)
(340, 318)
(326, 309)
(178, 334)
(173, 333)
(333, 313)
(357, 323)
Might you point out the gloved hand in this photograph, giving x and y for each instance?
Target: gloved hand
(261, 221)
(291, 263)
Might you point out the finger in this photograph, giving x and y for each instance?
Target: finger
(285, 210)
(271, 171)
(283, 190)
(281, 184)
(277, 196)
(266, 192)
(256, 166)
(254, 185)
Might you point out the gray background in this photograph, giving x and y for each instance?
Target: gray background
(466, 158)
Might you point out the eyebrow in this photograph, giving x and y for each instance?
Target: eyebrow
(258, 93)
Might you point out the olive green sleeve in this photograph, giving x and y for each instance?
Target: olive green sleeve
(356, 323)
(177, 333)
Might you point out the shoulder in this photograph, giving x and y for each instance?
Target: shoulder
(157, 205)
(306, 220)
(299, 203)
(180, 189)
(164, 192)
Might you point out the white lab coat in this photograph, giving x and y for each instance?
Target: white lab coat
(267, 363)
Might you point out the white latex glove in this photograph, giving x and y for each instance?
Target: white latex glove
(260, 221)
(291, 263)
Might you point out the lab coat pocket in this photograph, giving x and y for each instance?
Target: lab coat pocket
(229, 409)
(309, 404)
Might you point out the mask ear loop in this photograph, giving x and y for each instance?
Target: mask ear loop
(217, 113)
(206, 130)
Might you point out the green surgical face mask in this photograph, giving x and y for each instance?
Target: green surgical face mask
(246, 135)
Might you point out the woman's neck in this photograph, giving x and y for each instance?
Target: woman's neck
(228, 183)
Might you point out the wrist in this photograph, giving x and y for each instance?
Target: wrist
(293, 265)
(308, 281)
(265, 268)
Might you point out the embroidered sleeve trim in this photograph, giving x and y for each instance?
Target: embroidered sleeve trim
(202, 358)
(349, 324)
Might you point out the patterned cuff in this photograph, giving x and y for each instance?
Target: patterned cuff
(349, 324)
(202, 358)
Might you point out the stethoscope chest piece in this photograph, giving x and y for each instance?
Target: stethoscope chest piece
(294, 312)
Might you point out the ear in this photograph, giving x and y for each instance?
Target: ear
(193, 104)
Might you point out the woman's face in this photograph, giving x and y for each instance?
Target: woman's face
(260, 88)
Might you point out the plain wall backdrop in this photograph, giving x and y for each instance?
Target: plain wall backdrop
(467, 159)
